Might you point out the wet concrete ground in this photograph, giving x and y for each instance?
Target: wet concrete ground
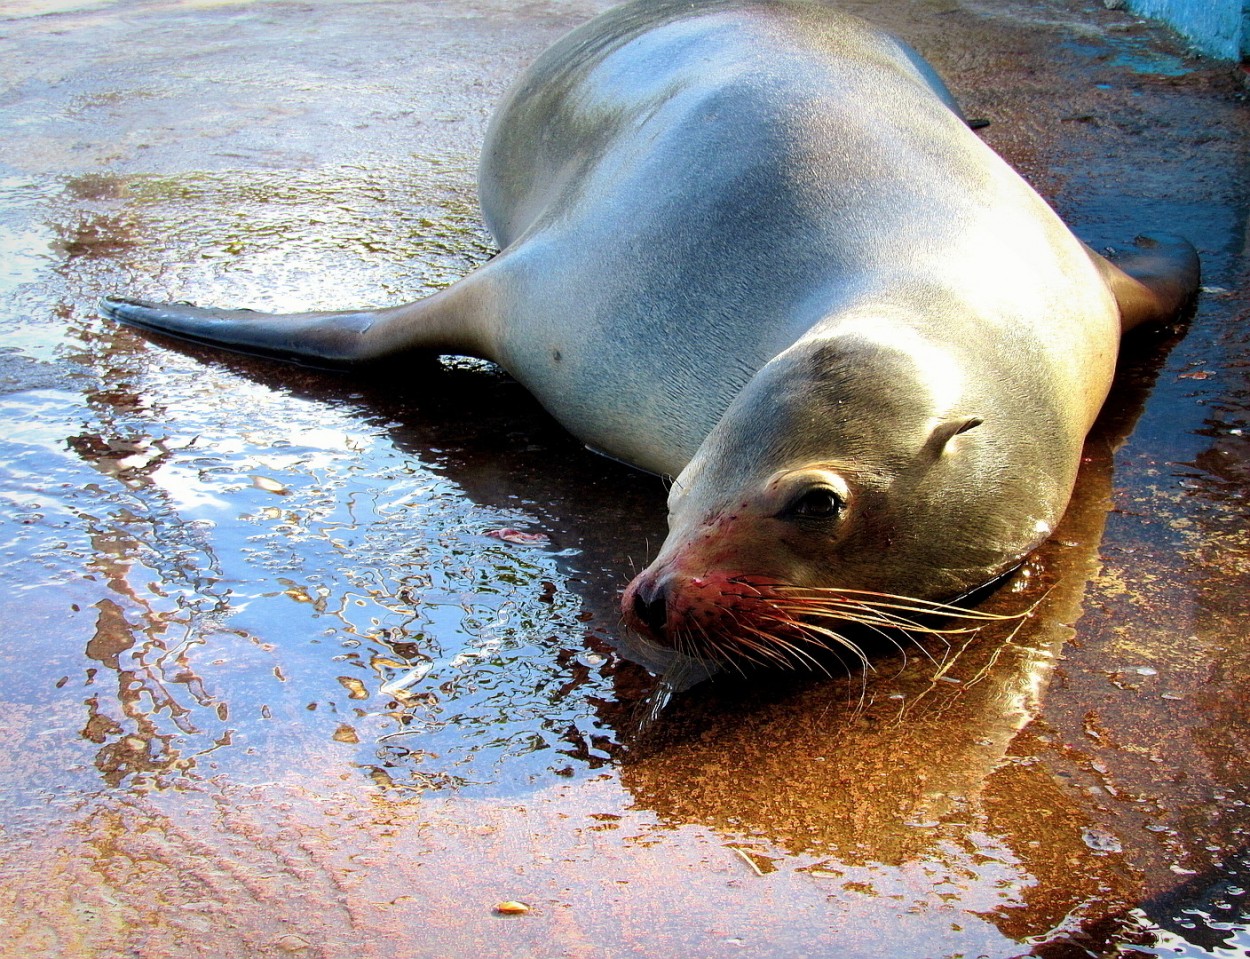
(273, 683)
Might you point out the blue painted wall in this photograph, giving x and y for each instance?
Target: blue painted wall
(1215, 27)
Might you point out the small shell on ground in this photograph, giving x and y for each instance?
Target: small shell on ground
(511, 908)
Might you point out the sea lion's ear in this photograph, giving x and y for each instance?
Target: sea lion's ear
(947, 430)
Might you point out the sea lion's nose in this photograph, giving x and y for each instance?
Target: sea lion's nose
(645, 605)
(651, 608)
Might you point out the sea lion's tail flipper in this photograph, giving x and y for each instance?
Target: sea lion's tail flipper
(1154, 284)
(448, 321)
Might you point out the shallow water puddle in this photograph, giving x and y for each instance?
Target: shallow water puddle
(210, 508)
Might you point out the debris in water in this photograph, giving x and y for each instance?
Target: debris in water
(269, 485)
(401, 683)
(518, 537)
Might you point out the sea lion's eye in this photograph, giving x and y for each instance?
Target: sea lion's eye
(818, 502)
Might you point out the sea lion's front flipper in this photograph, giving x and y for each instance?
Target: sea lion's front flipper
(450, 321)
(1154, 284)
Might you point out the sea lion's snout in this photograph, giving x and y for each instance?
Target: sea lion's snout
(705, 616)
(645, 605)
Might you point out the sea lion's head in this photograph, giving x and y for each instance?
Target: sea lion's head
(857, 477)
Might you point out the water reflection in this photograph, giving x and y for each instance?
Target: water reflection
(389, 564)
(336, 526)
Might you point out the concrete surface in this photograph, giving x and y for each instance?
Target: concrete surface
(1215, 27)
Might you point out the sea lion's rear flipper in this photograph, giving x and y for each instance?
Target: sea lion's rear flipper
(449, 321)
(1156, 283)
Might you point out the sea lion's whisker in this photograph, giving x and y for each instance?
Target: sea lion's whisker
(714, 645)
(798, 654)
(764, 648)
(840, 641)
(867, 608)
(871, 617)
(719, 655)
(834, 594)
(767, 649)
(775, 648)
(812, 634)
(767, 643)
(872, 594)
(763, 624)
(898, 609)
(889, 638)
(866, 615)
(852, 615)
(836, 605)
(682, 644)
(789, 623)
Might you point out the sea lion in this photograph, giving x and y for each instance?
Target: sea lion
(754, 246)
